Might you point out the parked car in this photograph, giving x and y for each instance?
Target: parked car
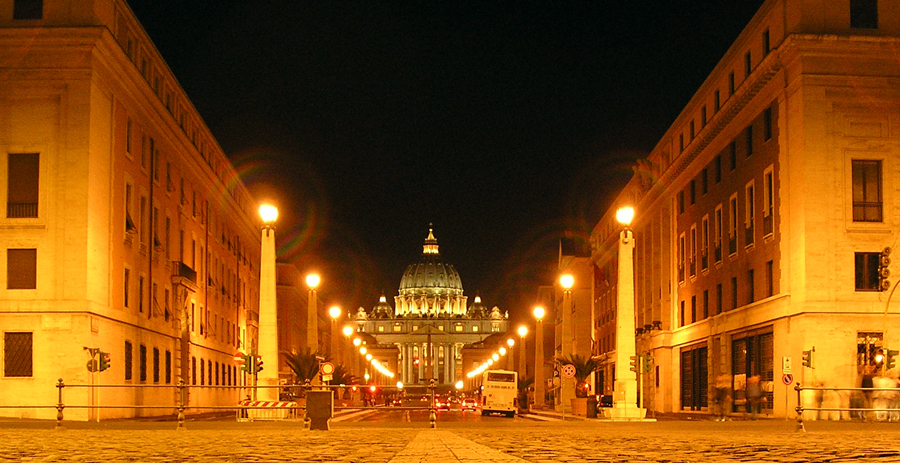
(396, 402)
(469, 404)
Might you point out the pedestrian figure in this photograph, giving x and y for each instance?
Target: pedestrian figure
(721, 395)
(868, 375)
(754, 395)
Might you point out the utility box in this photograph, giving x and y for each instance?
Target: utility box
(319, 409)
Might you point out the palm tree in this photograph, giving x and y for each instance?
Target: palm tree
(342, 376)
(584, 366)
(304, 364)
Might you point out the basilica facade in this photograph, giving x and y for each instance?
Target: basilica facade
(430, 322)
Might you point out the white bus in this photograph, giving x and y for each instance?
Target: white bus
(499, 392)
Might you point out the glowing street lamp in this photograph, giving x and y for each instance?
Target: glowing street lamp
(567, 281)
(312, 314)
(268, 306)
(539, 313)
(625, 387)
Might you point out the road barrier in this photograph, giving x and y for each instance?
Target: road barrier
(888, 411)
(288, 410)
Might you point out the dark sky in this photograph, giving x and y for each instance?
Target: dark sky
(506, 124)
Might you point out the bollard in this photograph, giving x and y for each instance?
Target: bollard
(432, 417)
(59, 404)
(800, 427)
(181, 405)
(306, 420)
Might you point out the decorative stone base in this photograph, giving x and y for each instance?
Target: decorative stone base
(626, 413)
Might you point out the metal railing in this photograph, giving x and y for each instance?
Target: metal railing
(800, 408)
(241, 407)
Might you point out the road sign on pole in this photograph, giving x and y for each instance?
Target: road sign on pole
(568, 370)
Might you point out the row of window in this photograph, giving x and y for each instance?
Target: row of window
(694, 256)
(210, 373)
(690, 192)
(694, 312)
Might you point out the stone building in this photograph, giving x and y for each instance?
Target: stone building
(127, 231)
(426, 330)
(762, 213)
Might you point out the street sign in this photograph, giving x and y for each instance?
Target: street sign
(786, 365)
(326, 369)
(239, 358)
(568, 370)
(787, 379)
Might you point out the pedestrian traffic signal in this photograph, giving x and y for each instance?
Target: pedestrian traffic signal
(634, 361)
(104, 361)
(808, 358)
(883, 271)
(890, 359)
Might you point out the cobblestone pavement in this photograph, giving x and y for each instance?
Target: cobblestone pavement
(675, 441)
(499, 441)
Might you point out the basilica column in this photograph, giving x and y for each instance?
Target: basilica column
(447, 364)
(421, 369)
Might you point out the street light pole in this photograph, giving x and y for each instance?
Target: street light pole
(568, 340)
(334, 312)
(523, 330)
(511, 358)
(268, 307)
(539, 357)
(312, 314)
(625, 387)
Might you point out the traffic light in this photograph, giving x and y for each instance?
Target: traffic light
(247, 366)
(259, 364)
(634, 361)
(92, 365)
(104, 361)
(890, 359)
(808, 358)
(884, 272)
(647, 362)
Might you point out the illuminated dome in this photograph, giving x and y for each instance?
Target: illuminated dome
(431, 276)
(383, 309)
(430, 287)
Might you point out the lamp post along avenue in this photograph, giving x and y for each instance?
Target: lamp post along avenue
(625, 387)
(539, 357)
(567, 386)
(312, 314)
(523, 370)
(268, 307)
(334, 312)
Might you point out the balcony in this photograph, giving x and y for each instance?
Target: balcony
(732, 245)
(704, 261)
(748, 234)
(184, 275)
(693, 266)
(718, 252)
(21, 210)
(681, 273)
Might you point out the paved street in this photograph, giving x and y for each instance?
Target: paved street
(489, 440)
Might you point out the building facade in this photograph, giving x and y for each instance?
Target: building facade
(127, 231)
(425, 332)
(762, 214)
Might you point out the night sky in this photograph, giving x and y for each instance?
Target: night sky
(505, 125)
